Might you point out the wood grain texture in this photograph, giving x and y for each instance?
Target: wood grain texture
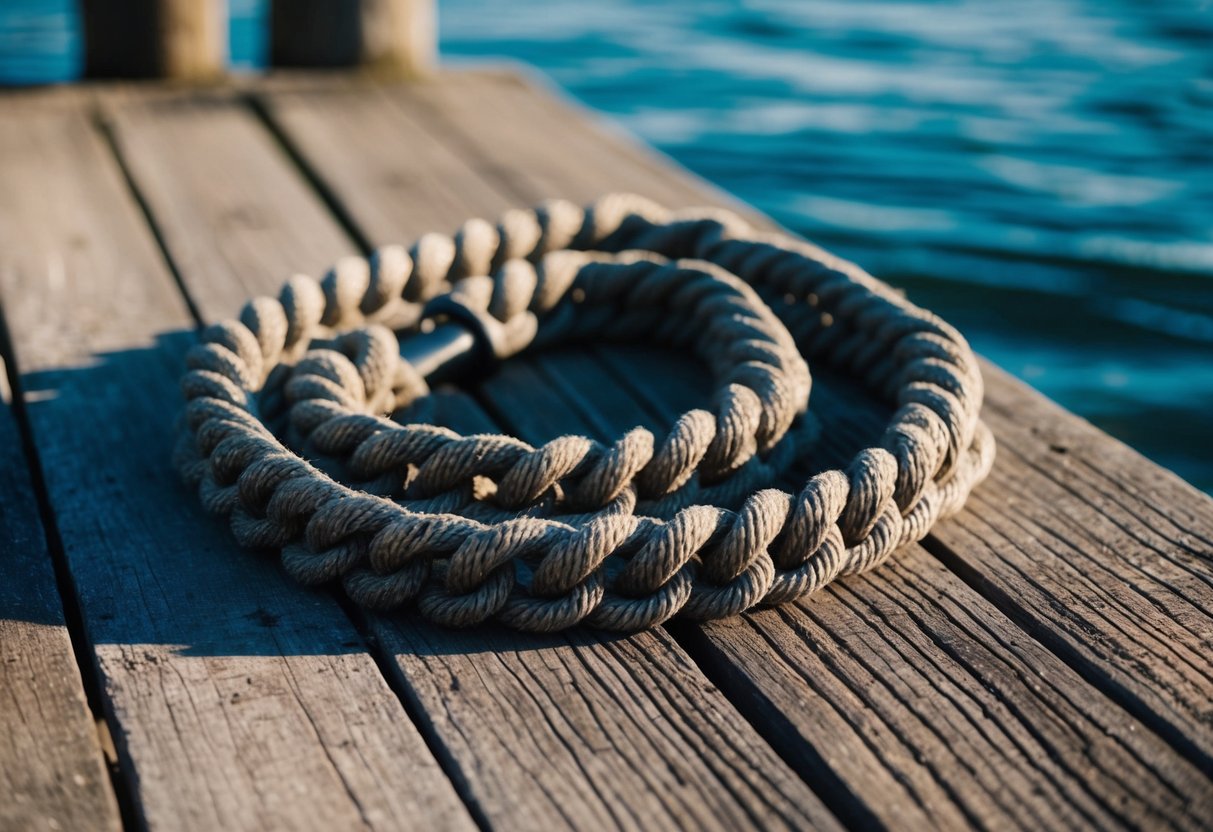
(52, 773)
(527, 124)
(1113, 571)
(387, 191)
(588, 730)
(579, 731)
(1100, 554)
(235, 700)
(927, 686)
(905, 755)
(205, 165)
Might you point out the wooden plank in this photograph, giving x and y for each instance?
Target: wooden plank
(571, 731)
(1124, 595)
(402, 187)
(982, 765)
(465, 102)
(235, 699)
(1100, 554)
(534, 114)
(52, 772)
(222, 235)
(587, 730)
(918, 676)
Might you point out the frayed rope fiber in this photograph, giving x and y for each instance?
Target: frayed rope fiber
(287, 434)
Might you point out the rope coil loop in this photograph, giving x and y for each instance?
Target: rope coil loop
(286, 430)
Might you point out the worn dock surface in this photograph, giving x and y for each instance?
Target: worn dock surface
(1044, 660)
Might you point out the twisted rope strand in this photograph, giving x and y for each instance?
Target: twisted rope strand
(285, 430)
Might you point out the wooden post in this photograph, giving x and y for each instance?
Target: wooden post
(392, 37)
(193, 39)
(399, 36)
(181, 39)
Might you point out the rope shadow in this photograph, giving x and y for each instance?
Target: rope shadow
(148, 565)
(144, 562)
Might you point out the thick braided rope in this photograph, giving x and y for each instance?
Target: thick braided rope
(286, 433)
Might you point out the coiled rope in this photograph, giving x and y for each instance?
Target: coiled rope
(286, 430)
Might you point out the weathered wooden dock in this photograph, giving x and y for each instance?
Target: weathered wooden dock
(1044, 660)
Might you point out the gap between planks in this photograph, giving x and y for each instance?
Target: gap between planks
(52, 769)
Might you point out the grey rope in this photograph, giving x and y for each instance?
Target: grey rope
(286, 430)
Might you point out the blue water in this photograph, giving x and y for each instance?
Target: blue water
(40, 42)
(248, 35)
(1039, 172)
